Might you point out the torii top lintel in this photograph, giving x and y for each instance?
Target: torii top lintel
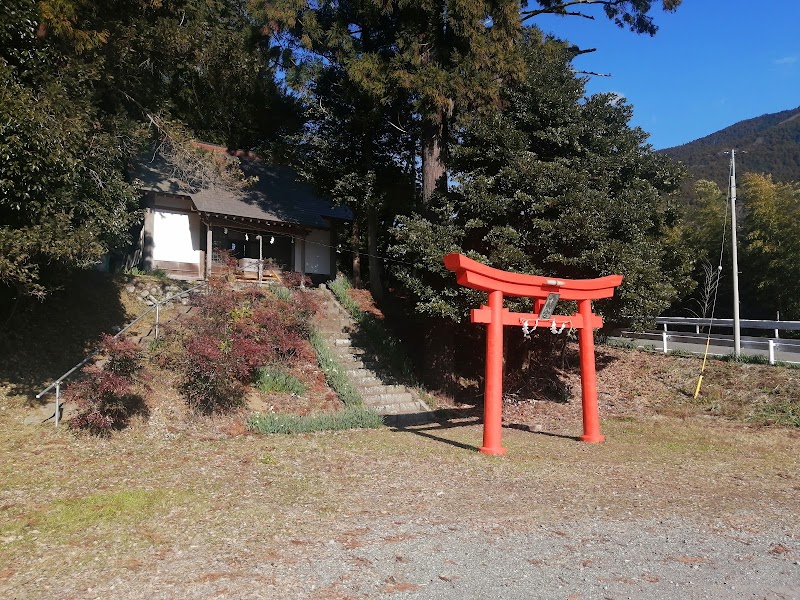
(472, 274)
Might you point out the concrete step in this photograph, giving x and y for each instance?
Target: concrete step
(350, 350)
(382, 389)
(396, 409)
(352, 363)
(356, 369)
(365, 382)
(391, 398)
(400, 406)
(409, 419)
(335, 323)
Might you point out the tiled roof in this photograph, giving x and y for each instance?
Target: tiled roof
(279, 195)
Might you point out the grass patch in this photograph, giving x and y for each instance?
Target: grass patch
(272, 379)
(355, 417)
(783, 412)
(281, 292)
(335, 374)
(125, 506)
(749, 359)
(627, 344)
(340, 288)
(75, 515)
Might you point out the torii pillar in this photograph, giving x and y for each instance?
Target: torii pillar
(498, 284)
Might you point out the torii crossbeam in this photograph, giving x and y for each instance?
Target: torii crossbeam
(498, 284)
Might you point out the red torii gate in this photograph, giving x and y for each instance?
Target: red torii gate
(497, 283)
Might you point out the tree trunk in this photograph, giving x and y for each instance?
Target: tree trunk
(434, 150)
(355, 246)
(375, 269)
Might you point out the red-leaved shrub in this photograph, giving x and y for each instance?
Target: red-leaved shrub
(104, 396)
(294, 279)
(232, 334)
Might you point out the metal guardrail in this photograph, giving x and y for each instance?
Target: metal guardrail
(156, 307)
(769, 345)
(776, 326)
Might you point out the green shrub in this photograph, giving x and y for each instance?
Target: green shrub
(272, 379)
(355, 417)
(281, 292)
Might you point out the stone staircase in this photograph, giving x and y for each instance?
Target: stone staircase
(399, 404)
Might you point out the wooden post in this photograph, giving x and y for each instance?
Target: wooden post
(591, 414)
(302, 262)
(493, 394)
(209, 250)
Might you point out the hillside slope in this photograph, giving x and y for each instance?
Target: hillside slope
(766, 144)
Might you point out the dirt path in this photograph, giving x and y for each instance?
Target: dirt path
(172, 508)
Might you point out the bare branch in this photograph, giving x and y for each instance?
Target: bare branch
(192, 165)
(400, 129)
(592, 73)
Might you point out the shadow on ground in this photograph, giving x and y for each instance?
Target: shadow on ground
(428, 425)
(46, 338)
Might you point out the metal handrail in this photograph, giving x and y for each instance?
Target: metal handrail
(156, 304)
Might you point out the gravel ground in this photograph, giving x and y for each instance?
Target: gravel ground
(599, 559)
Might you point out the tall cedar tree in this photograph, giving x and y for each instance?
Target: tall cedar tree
(348, 149)
(446, 55)
(555, 184)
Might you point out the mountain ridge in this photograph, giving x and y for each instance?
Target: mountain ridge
(769, 143)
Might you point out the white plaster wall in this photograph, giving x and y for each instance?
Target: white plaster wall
(318, 252)
(176, 236)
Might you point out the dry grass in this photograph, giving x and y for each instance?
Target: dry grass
(205, 499)
(80, 510)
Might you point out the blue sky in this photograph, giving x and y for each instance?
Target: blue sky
(711, 64)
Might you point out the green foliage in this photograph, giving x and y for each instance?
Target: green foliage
(349, 418)
(553, 185)
(340, 288)
(79, 81)
(748, 359)
(768, 243)
(770, 144)
(773, 243)
(63, 196)
(273, 378)
(280, 292)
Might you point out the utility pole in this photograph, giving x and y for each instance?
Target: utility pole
(737, 342)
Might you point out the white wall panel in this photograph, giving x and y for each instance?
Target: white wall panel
(176, 236)
(318, 252)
